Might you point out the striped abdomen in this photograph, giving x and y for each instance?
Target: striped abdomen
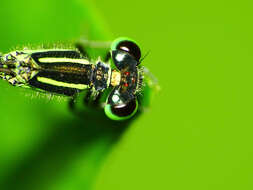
(61, 71)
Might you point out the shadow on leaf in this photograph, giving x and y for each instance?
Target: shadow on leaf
(45, 166)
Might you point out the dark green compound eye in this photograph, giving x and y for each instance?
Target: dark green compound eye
(129, 46)
(122, 103)
(121, 111)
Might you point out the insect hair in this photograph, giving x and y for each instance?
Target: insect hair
(35, 94)
(36, 46)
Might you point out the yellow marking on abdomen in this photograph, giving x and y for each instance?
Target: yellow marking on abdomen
(62, 84)
(63, 60)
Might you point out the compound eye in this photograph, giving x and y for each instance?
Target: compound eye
(130, 47)
(122, 111)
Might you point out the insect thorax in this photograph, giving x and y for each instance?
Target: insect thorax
(59, 71)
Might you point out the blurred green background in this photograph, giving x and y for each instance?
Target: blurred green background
(197, 133)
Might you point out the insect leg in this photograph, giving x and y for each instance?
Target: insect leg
(85, 103)
(94, 49)
(95, 44)
(108, 56)
(82, 50)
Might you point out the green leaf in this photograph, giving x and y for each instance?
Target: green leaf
(42, 144)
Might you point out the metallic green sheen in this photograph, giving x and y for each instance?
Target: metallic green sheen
(109, 114)
(120, 39)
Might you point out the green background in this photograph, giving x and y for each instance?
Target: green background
(197, 133)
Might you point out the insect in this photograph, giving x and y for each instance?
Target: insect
(114, 84)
